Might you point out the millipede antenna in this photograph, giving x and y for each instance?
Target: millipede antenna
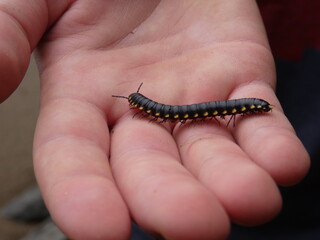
(139, 87)
(119, 96)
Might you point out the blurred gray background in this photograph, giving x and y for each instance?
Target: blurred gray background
(18, 116)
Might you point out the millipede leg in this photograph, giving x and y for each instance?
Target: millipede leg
(233, 117)
(135, 114)
(163, 120)
(154, 119)
(215, 120)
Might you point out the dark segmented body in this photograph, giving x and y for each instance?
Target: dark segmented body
(200, 110)
(183, 113)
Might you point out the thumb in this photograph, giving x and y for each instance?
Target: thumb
(22, 24)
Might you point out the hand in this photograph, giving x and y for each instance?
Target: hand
(98, 168)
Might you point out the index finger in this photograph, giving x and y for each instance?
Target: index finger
(73, 172)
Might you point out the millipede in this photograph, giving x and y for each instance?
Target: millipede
(204, 110)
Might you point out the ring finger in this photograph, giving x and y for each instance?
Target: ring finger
(247, 192)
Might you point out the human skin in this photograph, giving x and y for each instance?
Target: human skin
(97, 167)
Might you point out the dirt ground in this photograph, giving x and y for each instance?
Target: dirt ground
(17, 122)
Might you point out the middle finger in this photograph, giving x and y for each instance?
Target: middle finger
(162, 196)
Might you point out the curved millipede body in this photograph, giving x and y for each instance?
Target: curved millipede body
(203, 110)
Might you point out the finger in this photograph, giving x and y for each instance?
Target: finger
(71, 163)
(246, 191)
(22, 24)
(270, 140)
(162, 196)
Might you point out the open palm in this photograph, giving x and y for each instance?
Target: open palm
(98, 168)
